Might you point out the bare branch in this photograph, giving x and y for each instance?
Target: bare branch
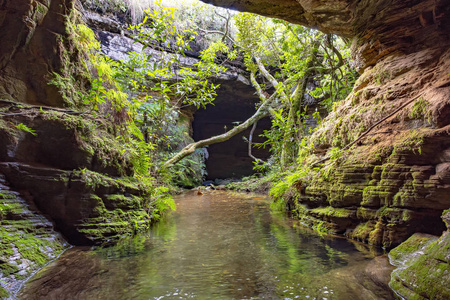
(250, 140)
(224, 34)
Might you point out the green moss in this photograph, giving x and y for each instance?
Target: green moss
(28, 245)
(21, 237)
(3, 293)
(376, 235)
(382, 77)
(117, 215)
(425, 275)
(410, 141)
(122, 201)
(5, 195)
(446, 218)
(374, 196)
(363, 213)
(40, 8)
(8, 269)
(333, 212)
(115, 223)
(362, 231)
(415, 243)
(419, 110)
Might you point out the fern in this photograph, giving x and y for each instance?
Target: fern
(25, 128)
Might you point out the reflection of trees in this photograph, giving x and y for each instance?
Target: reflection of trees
(214, 246)
(298, 260)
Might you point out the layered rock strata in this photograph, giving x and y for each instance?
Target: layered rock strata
(65, 166)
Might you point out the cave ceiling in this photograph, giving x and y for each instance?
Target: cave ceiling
(379, 27)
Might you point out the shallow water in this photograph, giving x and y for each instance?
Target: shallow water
(220, 245)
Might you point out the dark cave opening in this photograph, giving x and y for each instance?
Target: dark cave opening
(235, 102)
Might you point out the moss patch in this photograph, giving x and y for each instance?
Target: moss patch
(3, 293)
(400, 254)
(425, 267)
(26, 237)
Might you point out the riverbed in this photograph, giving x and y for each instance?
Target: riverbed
(219, 245)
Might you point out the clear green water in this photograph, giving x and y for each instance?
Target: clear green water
(220, 245)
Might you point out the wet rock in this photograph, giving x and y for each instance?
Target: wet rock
(423, 263)
(27, 240)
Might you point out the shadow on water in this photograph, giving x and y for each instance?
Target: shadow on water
(220, 245)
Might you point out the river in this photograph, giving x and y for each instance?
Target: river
(220, 245)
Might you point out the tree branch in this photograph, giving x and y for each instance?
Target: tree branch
(250, 140)
(263, 111)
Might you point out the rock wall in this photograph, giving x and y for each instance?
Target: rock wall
(59, 169)
(27, 240)
(423, 263)
(30, 30)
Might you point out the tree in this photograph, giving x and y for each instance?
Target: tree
(282, 58)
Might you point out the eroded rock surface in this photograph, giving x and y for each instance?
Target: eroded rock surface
(30, 51)
(72, 168)
(27, 240)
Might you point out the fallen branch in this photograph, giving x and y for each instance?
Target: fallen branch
(263, 111)
(25, 107)
(370, 129)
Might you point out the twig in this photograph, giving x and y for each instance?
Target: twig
(217, 32)
(250, 139)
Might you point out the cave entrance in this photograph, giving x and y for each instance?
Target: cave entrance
(235, 102)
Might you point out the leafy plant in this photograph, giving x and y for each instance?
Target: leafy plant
(25, 128)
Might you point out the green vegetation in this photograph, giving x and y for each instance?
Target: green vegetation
(24, 239)
(419, 109)
(424, 269)
(25, 128)
(3, 293)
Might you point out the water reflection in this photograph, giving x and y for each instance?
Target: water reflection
(217, 246)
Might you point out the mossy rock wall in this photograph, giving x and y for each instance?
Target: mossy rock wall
(27, 241)
(396, 179)
(75, 172)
